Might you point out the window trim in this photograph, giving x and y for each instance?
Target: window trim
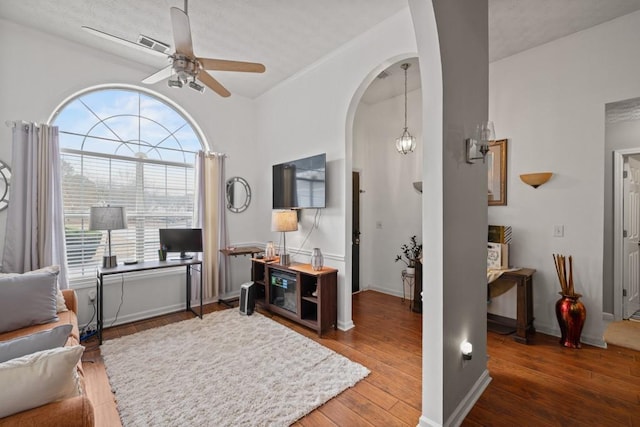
(122, 86)
(83, 281)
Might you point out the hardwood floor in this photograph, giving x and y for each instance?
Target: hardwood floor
(541, 384)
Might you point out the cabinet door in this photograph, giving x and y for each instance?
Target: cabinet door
(283, 291)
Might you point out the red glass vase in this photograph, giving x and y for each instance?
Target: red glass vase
(571, 314)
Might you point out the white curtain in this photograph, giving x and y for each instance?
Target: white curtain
(34, 235)
(209, 214)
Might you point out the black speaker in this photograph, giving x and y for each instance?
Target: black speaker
(247, 298)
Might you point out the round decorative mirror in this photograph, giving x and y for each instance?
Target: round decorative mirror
(238, 194)
(5, 179)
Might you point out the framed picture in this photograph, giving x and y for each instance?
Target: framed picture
(497, 170)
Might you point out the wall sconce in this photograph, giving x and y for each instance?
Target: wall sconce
(477, 148)
(467, 350)
(536, 179)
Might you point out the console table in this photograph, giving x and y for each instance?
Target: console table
(523, 324)
(143, 266)
(298, 292)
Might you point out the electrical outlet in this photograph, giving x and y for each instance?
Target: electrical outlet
(92, 295)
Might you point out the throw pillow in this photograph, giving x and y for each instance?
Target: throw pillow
(27, 299)
(54, 269)
(60, 303)
(39, 378)
(44, 340)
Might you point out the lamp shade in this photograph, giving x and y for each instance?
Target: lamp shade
(107, 218)
(284, 221)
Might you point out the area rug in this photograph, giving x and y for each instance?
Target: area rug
(224, 370)
(624, 334)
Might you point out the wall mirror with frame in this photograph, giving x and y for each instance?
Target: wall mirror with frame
(497, 173)
(238, 194)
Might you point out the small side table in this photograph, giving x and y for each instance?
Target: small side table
(410, 281)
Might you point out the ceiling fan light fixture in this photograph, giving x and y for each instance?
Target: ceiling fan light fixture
(174, 83)
(195, 86)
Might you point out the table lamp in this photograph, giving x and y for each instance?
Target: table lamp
(108, 218)
(284, 221)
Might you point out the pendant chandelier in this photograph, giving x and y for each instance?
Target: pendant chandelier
(406, 143)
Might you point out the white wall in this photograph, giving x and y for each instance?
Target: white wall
(389, 199)
(550, 103)
(306, 115)
(39, 71)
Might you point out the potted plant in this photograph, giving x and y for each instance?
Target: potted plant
(410, 254)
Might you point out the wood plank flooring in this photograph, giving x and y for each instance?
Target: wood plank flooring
(538, 385)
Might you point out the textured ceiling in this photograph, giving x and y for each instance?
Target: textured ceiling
(285, 35)
(518, 25)
(289, 35)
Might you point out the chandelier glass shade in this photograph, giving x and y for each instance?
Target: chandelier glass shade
(406, 143)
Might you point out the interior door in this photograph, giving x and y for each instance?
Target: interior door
(631, 202)
(355, 238)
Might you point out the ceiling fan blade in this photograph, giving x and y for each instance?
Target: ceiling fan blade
(181, 32)
(162, 74)
(122, 41)
(213, 84)
(224, 65)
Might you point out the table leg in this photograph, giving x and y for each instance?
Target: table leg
(189, 288)
(99, 321)
(201, 274)
(524, 321)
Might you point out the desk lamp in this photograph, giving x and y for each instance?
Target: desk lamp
(108, 218)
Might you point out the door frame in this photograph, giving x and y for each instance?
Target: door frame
(359, 264)
(618, 228)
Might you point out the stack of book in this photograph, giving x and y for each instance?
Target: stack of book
(498, 247)
(500, 234)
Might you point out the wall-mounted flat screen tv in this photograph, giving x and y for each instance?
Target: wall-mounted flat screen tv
(300, 183)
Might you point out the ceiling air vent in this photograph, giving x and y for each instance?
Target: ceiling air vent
(153, 44)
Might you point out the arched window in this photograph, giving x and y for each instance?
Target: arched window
(124, 147)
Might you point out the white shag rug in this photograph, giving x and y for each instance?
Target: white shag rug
(224, 370)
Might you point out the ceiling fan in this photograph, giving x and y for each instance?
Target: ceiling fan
(184, 67)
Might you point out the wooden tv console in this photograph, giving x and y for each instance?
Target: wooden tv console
(318, 312)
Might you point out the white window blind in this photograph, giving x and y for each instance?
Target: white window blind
(124, 148)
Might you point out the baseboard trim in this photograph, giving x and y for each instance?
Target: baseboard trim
(464, 407)
(585, 339)
(608, 317)
(345, 326)
(142, 315)
(148, 314)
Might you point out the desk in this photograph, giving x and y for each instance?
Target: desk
(142, 266)
(242, 250)
(523, 324)
(237, 251)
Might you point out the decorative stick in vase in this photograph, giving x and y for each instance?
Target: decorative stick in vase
(571, 290)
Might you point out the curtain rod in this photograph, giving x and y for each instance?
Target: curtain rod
(14, 123)
(214, 154)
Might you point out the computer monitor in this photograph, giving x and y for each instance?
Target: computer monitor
(181, 240)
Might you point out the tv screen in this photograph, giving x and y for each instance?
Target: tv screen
(181, 240)
(300, 183)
